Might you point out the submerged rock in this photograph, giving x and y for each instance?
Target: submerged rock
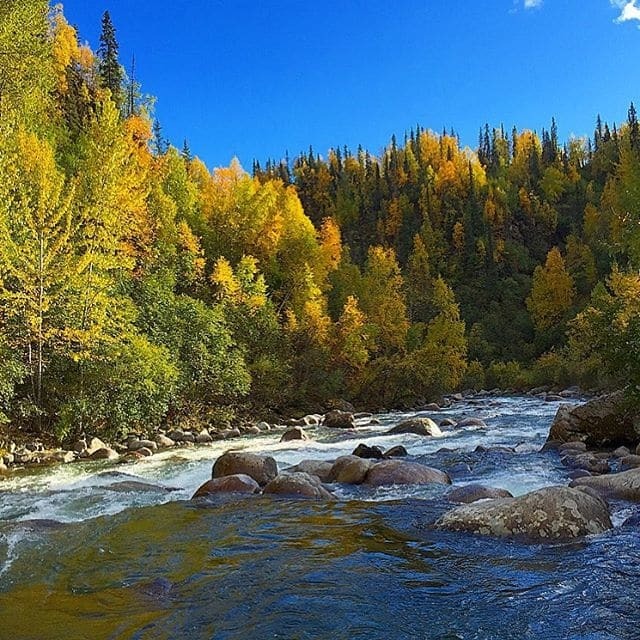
(137, 486)
(388, 472)
(624, 485)
(474, 492)
(472, 422)
(298, 484)
(551, 513)
(236, 483)
(418, 426)
(606, 421)
(262, 469)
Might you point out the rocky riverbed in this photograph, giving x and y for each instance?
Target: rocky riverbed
(451, 523)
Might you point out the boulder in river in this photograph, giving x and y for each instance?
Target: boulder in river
(605, 421)
(472, 422)
(586, 461)
(349, 470)
(396, 452)
(388, 472)
(418, 426)
(295, 433)
(365, 451)
(337, 419)
(236, 483)
(320, 468)
(262, 469)
(448, 422)
(474, 492)
(551, 513)
(624, 485)
(137, 486)
(298, 484)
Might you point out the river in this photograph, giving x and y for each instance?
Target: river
(85, 552)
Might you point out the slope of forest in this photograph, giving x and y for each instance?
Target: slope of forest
(138, 288)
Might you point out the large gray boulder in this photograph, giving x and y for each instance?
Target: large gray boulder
(388, 472)
(262, 469)
(603, 422)
(298, 484)
(418, 426)
(551, 513)
(624, 485)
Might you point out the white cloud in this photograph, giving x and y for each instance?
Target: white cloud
(532, 4)
(628, 10)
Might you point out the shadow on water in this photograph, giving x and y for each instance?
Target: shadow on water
(262, 568)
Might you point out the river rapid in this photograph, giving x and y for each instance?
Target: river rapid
(88, 551)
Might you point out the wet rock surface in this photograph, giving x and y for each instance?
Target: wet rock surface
(605, 421)
(262, 469)
(417, 426)
(552, 513)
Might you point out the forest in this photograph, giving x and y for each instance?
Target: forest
(139, 288)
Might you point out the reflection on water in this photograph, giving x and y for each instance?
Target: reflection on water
(368, 566)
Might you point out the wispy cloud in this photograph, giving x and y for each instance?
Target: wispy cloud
(532, 4)
(628, 10)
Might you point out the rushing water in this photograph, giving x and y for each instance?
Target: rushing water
(85, 552)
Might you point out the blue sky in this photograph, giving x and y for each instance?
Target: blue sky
(255, 78)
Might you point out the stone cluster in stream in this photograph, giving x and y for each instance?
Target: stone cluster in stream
(599, 443)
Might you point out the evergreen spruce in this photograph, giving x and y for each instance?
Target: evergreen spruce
(109, 68)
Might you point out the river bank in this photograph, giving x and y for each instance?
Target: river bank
(25, 452)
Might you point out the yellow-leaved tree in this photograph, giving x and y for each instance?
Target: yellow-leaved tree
(37, 263)
(552, 292)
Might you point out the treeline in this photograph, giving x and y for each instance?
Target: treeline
(137, 288)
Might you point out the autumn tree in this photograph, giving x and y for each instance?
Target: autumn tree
(37, 263)
(26, 69)
(383, 301)
(552, 292)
